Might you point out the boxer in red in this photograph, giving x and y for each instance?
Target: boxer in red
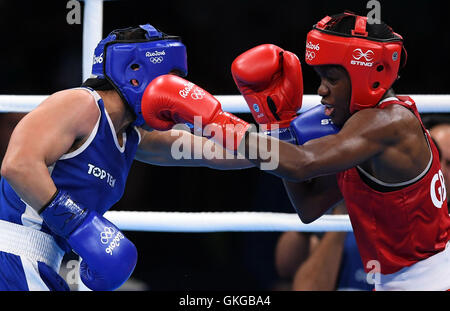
(385, 164)
(380, 159)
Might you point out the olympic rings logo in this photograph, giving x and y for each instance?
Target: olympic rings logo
(197, 94)
(156, 60)
(107, 234)
(310, 55)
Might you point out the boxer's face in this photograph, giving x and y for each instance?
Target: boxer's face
(335, 90)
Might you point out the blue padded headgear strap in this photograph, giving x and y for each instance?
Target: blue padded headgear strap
(123, 61)
(152, 32)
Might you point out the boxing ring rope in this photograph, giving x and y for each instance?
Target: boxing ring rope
(426, 103)
(207, 221)
(224, 222)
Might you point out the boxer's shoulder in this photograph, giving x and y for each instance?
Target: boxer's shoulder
(388, 123)
(78, 96)
(73, 102)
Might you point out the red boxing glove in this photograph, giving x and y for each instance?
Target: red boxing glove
(170, 99)
(271, 81)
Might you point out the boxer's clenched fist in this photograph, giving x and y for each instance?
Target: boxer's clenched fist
(271, 81)
(170, 99)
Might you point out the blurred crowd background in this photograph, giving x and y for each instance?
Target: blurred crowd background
(41, 54)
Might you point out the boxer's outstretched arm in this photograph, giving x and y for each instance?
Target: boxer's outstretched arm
(365, 134)
(181, 148)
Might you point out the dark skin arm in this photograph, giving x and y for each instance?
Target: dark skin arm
(320, 192)
(389, 143)
(320, 270)
(310, 263)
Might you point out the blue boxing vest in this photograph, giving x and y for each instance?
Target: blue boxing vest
(95, 174)
(351, 272)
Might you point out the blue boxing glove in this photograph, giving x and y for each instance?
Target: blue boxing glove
(312, 124)
(309, 125)
(108, 257)
(283, 133)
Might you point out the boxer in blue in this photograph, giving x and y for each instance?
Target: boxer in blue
(68, 160)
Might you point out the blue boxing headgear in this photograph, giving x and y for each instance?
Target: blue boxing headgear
(121, 61)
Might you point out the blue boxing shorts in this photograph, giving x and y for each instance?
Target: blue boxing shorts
(29, 260)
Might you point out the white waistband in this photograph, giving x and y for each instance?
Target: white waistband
(431, 274)
(30, 243)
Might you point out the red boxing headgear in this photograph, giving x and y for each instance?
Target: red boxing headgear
(371, 63)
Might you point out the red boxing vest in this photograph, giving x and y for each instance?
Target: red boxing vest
(402, 227)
